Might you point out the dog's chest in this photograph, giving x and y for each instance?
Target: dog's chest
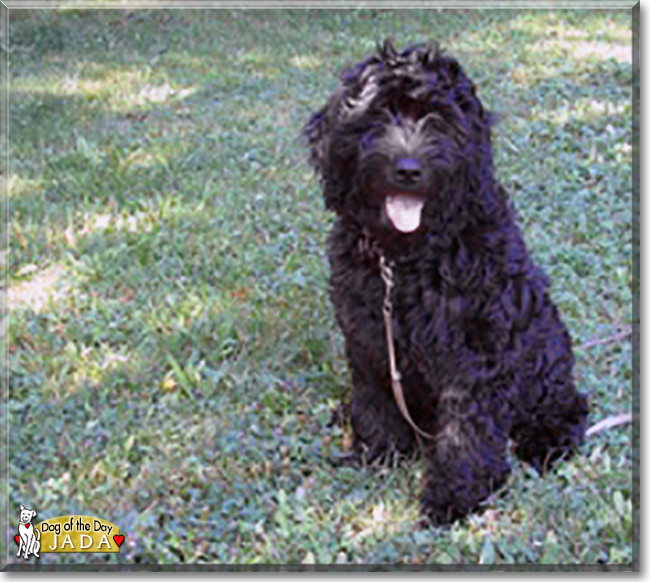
(424, 315)
(25, 529)
(422, 309)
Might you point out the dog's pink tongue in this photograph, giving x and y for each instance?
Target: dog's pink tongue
(404, 211)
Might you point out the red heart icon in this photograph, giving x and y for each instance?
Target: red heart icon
(27, 525)
(17, 538)
(118, 540)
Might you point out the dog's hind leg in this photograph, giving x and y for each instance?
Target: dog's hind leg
(551, 430)
(553, 427)
(551, 415)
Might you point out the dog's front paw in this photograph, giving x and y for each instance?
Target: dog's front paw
(438, 513)
(347, 459)
(433, 516)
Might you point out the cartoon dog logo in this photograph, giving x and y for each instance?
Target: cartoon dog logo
(30, 539)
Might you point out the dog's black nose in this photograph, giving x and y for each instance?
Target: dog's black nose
(408, 171)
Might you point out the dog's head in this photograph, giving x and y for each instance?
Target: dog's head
(403, 131)
(26, 515)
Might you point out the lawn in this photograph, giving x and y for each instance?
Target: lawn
(173, 356)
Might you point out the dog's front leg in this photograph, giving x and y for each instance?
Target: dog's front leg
(25, 542)
(378, 428)
(467, 459)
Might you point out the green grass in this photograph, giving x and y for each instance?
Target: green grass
(173, 355)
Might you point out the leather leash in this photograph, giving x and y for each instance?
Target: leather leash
(395, 376)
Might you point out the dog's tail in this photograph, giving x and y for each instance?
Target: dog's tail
(37, 533)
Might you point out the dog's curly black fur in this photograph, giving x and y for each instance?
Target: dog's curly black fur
(483, 354)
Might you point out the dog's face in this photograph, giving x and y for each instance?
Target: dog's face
(397, 135)
(26, 515)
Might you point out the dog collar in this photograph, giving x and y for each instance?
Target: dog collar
(369, 247)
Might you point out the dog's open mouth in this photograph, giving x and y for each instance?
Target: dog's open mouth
(404, 211)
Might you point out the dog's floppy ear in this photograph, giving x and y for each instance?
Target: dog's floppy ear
(315, 133)
(318, 130)
(33, 513)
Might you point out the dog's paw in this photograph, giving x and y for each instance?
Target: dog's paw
(432, 518)
(348, 459)
(436, 514)
(428, 522)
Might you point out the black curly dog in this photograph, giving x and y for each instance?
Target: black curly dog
(403, 151)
